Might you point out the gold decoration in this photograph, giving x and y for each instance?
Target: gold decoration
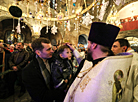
(63, 18)
(78, 11)
(60, 15)
(84, 83)
(40, 14)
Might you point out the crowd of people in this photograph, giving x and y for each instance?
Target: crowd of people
(47, 71)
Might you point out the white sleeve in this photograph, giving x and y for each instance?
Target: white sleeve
(77, 55)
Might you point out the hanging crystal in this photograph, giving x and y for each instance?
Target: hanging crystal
(13, 26)
(18, 27)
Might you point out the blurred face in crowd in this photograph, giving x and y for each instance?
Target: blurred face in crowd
(66, 53)
(25, 44)
(54, 48)
(30, 45)
(79, 50)
(116, 48)
(58, 46)
(12, 47)
(19, 46)
(46, 52)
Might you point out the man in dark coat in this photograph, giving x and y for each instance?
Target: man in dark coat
(37, 74)
(17, 61)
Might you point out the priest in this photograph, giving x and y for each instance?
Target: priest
(100, 78)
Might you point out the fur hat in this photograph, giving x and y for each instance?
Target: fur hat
(103, 34)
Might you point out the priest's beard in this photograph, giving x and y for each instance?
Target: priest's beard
(89, 55)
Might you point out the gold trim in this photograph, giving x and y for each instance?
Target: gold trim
(86, 70)
(64, 18)
(122, 55)
(109, 57)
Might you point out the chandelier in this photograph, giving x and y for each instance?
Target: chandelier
(48, 9)
(47, 12)
(52, 12)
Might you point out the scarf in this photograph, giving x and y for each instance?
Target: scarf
(45, 73)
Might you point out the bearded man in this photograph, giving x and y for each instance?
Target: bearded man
(101, 38)
(86, 86)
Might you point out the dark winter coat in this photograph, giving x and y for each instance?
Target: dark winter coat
(36, 86)
(61, 70)
(19, 59)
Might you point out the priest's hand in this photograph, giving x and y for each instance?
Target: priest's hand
(70, 46)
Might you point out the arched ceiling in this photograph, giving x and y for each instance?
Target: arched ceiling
(129, 10)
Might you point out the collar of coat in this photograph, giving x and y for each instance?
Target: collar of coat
(45, 73)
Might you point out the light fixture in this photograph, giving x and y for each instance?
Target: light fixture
(78, 10)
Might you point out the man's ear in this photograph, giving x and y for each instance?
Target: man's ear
(94, 45)
(38, 52)
(61, 55)
(124, 48)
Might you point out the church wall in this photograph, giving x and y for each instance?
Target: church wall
(6, 25)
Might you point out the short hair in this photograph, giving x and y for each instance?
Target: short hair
(123, 42)
(105, 49)
(37, 43)
(21, 43)
(61, 49)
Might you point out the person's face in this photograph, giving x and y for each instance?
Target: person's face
(116, 48)
(25, 44)
(79, 50)
(30, 45)
(54, 48)
(46, 51)
(19, 46)
(58, 46)
(11, 47)
(66, 53)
